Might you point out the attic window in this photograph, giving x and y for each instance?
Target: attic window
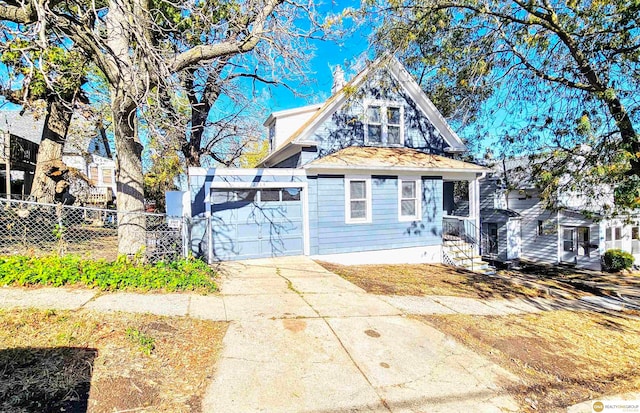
(384, 123)
(374, 124)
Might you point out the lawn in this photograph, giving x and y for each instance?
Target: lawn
(84, 361)
(563, 357)
(429, 279)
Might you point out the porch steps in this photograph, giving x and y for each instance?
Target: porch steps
(462, 255)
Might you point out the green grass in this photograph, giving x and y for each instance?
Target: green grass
(145, 342)
(122, 274)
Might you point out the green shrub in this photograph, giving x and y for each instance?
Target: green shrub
(617, 260)
(123, 274)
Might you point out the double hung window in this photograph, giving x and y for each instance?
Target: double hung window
(384, 123)
(409, 205)
(357, 200)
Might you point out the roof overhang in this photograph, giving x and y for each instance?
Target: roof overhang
(445, 173)
(291, 112)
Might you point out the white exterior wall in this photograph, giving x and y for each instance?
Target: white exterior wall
(415, 255)
(549, 247)
(534, 247)
(626, 243)
(286, 125)
(80, 162)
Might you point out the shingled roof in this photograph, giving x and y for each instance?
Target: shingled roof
(371, 158)
(26, 126)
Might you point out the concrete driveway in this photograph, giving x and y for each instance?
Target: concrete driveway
(306, 340)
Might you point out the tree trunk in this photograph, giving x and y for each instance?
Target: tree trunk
(54, 134)
(130, 192)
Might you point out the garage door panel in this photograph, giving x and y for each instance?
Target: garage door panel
(292, 210)
(248, 231)
(282, 246)
(258, 229)
(288, 227)
(226, 232)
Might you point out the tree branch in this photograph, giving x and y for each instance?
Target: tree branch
(226, 48)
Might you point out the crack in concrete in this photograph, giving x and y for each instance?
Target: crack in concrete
(357, 366)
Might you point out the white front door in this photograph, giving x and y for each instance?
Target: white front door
(576, 244)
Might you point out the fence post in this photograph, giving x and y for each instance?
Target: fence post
(210, 240)
(186, 237)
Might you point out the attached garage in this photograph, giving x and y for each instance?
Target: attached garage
(257, 222)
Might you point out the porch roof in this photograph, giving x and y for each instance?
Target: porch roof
(399, 159)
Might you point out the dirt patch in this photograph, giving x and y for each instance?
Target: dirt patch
(294, 326)
(84, 361)
(429, 279)
(562, 357)
(372, 333)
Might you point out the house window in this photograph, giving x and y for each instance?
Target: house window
(107, 175)
(618, 233)
(374, 124)
(567, 240)
(222, 196)
(393, 125)
(291, 194)
(409, 200)
(357, 200)
(384, 123)
(93, 175)
(540, 230)
(270, 195)
(635, 233)
(609, 237)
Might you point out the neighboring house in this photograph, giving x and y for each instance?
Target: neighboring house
(87, 149)
(363, 177)
(19, 140)
(516, 225)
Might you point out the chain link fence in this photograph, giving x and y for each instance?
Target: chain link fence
(35, 228)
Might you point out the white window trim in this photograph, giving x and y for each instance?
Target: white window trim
(347, 199)
(384, 121)
(418, 182)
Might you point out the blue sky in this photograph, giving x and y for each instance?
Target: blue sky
(328, 54)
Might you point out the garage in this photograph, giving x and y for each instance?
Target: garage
(256, 222)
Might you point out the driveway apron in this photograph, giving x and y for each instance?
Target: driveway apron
(303, 339)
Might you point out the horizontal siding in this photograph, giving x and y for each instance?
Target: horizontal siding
(330, 234)
(535, 247)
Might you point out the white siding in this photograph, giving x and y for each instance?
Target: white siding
(286, 125)
(534, 247)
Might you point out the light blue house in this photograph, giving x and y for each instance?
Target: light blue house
(366, 177)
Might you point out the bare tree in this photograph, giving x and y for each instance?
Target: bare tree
(129, 42)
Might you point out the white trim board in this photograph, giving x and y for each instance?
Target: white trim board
(195, 171)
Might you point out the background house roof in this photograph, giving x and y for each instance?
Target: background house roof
(85, 138)
(391, 158)
(514, 173)
(26, 126)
